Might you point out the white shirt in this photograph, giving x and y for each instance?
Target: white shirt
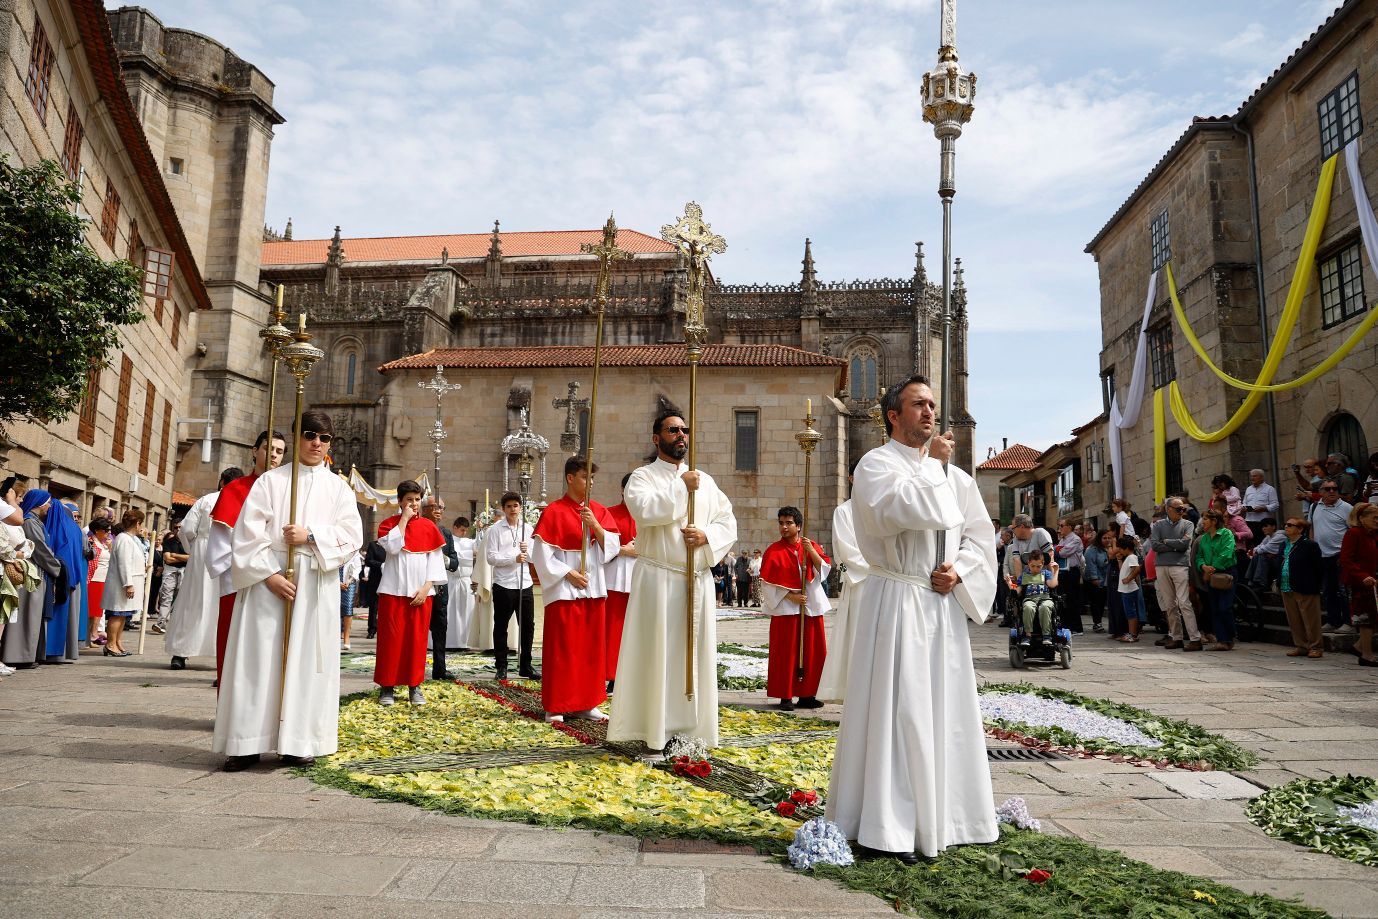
(464, 548)
(1130, 561)
(775, 599)
(1263, 495)
(1328, 525)
(503, 548)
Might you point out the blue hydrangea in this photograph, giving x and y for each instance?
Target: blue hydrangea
(819, 841)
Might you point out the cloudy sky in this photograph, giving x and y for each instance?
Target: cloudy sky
(783, 118)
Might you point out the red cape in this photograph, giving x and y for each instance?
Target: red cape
(626, 526)
(560, 525)
(422, 534)
(231, 500)
(780, 564)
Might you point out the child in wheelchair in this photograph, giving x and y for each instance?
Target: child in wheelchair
(1036, 586)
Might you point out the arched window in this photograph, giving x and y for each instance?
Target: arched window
(864, 368)
(346, 356)
(1345, 435)
(353, 361)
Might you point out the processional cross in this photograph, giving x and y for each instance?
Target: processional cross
(437, 433)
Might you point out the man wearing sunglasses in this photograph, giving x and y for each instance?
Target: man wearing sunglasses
(651, 701)
(224, 515)
(1329, 520)
(267, 703)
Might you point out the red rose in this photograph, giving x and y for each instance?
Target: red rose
(702, 768)
(1037, 876)
(785, 808)
(804, 797)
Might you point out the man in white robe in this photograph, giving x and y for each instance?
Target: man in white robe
(832, 687)
(461, 594)
(191, 627)
(651, 703)
(257, 712)
(910, 772)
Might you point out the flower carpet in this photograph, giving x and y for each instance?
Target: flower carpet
(1338, 815)
(479, 748)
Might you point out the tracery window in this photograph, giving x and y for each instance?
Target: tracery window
(863, 368)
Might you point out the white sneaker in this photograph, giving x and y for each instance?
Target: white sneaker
(554, 719)
(386, 698)
(591, 714)
(6, 671)
(416, 698)
(1345, 629)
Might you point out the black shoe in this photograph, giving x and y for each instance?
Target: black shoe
(371, 635)
(906, 858)
(502, 675)
(446, 675)
(611, 684)
(178, 663)
(240, 763)
(786, 705)
(809, 702)
(288, 760)
(1368, 662)
(532, 674)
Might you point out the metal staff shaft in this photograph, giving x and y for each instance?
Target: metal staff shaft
(689, 574)
(593, 416)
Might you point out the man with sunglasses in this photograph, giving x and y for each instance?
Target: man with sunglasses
(1300, 584)
(1329, 520)
(268, 453)
(652, 704)
(266, 703)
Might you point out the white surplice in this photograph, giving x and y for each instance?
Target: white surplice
(832, 684)
(650, 704)
(480, 634)
(247, 718)
(191, 627)
(461, 601)
(910, 771)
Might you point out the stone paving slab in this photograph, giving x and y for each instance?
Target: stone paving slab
(249, 872)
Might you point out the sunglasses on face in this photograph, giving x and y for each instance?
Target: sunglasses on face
(1330, 488)
(1292, 526)
(671, 429)
(316, 435)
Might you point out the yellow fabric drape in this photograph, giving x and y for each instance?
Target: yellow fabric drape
(1296, 295)
(1159, 448)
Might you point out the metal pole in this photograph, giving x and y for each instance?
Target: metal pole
(690, 577)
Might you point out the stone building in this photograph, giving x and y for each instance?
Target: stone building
(751, 404)
(999, 498)
(64, 100)
(1228, 204)
(1068, 480)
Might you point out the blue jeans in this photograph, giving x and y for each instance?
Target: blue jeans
(1220, 605)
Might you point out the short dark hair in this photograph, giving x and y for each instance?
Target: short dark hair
(508, 497)
(851, 468)
(577, 464)
(404, 487)
(663, 417)
(625, 479)
(229, 475)
(1036, 556)
(131, 518)
(314, 419)
(1125, 542)
(99, 525)
(890, 402)
(461, 522)
(792, 512)
(1268, 522)
(263, 438)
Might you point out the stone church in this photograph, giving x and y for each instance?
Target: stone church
(507, 315)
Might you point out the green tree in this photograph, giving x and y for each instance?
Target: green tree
(61, 305)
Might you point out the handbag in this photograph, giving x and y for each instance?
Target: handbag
(1220, 581)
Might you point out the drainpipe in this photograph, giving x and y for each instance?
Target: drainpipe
(1262, 299)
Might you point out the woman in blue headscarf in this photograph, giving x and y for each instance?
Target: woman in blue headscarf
(68, 544)
(23, 644)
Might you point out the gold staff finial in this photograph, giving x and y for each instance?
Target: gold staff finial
(696, 242)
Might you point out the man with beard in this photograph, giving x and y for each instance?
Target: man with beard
(652, 703)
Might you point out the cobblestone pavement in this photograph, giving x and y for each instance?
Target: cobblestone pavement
(114, 806)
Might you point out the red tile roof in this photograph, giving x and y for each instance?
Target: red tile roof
(1018, 457)
(99, 45)
(461, 246)
(671, 355)
(181, 497)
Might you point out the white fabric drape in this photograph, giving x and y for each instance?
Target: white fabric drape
(1134, 397)
(381, 498)
(1368, 225)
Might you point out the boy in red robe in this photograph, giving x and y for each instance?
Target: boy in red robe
(783, 590)
(224, 515)
(573, 647)
(618, 572)
(413, 566)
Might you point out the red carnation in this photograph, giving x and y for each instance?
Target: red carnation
(1037, 876)
(785, 808)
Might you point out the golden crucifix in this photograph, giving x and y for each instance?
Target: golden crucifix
(607, 253)
(696, 243)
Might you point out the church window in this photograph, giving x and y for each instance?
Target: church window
(1160, 353)
(864, 376)
(1339, 117)
(351, 364)
(745, 439)
(1162, 244)
(1345, 435)
(1172, 455)
(40, 70)
(71, 144)
(1342, 286)
(122, 409)
(110, 214)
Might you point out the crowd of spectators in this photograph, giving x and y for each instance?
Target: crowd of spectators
(1322, 562)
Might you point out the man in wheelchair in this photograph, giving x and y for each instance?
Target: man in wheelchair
(1035, 587)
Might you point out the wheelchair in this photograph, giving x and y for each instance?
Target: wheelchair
(1059, 652)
